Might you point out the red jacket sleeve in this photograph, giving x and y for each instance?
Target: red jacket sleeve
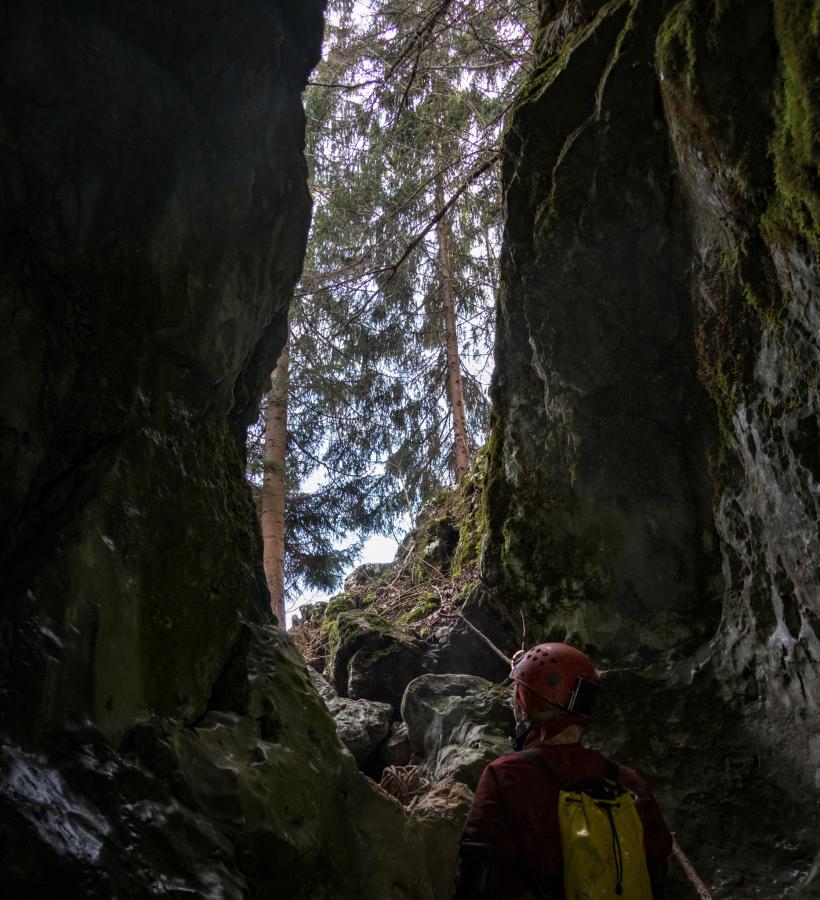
(490, 832)
(488, 824)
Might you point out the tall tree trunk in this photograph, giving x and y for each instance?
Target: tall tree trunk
(273, 485)
(455, 389)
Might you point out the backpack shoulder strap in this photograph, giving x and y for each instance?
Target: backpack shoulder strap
(544, 767)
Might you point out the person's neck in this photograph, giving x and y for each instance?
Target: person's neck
(570, 735)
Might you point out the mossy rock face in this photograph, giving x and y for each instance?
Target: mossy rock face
(144, 301)
(339, 604)
(597, 521)
(459, 723)
(373, 659)
(652, 464)
(257, 798)
(156, 739)
(751, 187)
(434, 538)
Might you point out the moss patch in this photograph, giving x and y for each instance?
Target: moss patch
(794, 213)
(339, 604)
(421, 610)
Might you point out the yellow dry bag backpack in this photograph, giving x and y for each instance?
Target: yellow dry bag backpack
(601, 837)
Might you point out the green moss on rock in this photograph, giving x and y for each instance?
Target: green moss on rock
(339, 604)
(794, 212)
(421, 610)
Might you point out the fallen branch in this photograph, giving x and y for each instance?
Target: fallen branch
(483, 636)
(683, 860)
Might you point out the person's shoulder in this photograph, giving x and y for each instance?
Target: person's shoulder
(515, 761)
(514, 758)
(629, 778)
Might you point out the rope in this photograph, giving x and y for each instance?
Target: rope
(617, 851)
(689, 870)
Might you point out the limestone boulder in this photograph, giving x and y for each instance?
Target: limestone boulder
(397, 750)
(323, 688)
(362, 725)
(456, 648)
(373, 659)
(458, 723)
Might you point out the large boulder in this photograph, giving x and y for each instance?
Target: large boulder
(459, 723)
(362, 725)
(397, 750)
(372, 658)
(257, 798)
(457, 648)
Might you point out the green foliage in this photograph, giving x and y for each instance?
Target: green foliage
(407, 99)
(415, 93)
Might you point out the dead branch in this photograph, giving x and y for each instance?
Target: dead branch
(500, 654)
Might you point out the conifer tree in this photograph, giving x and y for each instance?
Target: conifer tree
(274, 489)
(404, 118)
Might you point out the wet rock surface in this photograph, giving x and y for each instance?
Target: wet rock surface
(458, 723)
(373, 659)
(158, 735)
(651, 492)
(256, 796)
(362, 725)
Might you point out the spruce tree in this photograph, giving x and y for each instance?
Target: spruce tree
(404, 118)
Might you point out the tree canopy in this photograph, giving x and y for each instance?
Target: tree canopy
(404, 117)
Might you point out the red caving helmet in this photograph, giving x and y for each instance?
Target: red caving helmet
(555, 676)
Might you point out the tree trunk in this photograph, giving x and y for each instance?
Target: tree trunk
(273, 486)
(455, 389)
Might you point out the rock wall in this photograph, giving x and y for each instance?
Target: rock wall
(653, 472)
(751, 188)
(158, 734)
(154, 222)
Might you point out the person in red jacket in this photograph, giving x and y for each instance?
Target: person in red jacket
(511, 844)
